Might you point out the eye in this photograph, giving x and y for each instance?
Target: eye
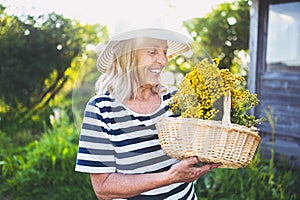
(152, 52)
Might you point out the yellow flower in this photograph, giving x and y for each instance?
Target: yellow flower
(204, 85)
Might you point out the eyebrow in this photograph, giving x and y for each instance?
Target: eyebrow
(157, 46)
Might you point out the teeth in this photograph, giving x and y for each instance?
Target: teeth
(156, 71)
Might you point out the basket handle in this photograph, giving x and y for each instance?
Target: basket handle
(227, 107)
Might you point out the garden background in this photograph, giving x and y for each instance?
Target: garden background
(45, 61)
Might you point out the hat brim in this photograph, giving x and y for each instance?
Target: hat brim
(177, 44)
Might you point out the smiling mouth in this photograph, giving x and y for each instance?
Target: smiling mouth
(155, 71)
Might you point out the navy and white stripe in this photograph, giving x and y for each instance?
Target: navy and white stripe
(114, 138)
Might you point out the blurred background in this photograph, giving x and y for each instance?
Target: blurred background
(47, 74)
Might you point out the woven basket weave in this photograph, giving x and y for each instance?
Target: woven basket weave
(211, 141)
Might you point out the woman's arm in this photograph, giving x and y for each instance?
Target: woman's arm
(115, 185)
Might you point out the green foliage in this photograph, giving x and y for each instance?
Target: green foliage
(40, 58)
(44, 169)
(261, 179)
(35, 54)
(223, 32)
(84, 88)
(39, 63)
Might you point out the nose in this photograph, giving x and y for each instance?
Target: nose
(162, 58)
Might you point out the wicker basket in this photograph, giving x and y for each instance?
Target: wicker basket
(211, 141)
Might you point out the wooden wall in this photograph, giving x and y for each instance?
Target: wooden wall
(280, 90)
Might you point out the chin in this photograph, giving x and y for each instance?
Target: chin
(153, 83)
(150, 84)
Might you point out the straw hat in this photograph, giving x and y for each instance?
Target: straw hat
(178, 41)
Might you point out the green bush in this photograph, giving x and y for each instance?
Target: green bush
(261, 179)
(44, 169)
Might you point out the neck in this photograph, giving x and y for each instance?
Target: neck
(145, 100)
(144, 93)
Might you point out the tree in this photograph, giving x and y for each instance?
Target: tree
(223, 32)
(35, 53)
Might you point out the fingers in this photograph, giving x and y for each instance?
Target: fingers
(193, 161)
(209, 167)
(203, 169)
(206, 168)
(189, 162)
(214, 165)
(187, 171)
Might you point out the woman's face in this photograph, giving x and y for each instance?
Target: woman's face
(151, 59)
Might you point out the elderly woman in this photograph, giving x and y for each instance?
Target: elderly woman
(118, 144)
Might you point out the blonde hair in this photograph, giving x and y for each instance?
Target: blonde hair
(121, 79)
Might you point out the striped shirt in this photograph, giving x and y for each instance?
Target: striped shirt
(115, 139)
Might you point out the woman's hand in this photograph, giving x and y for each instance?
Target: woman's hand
(186, 171)
(107, 185)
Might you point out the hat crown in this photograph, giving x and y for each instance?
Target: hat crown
(178, 40)
(124, 26)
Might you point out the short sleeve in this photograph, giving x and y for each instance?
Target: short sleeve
(95, 150)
